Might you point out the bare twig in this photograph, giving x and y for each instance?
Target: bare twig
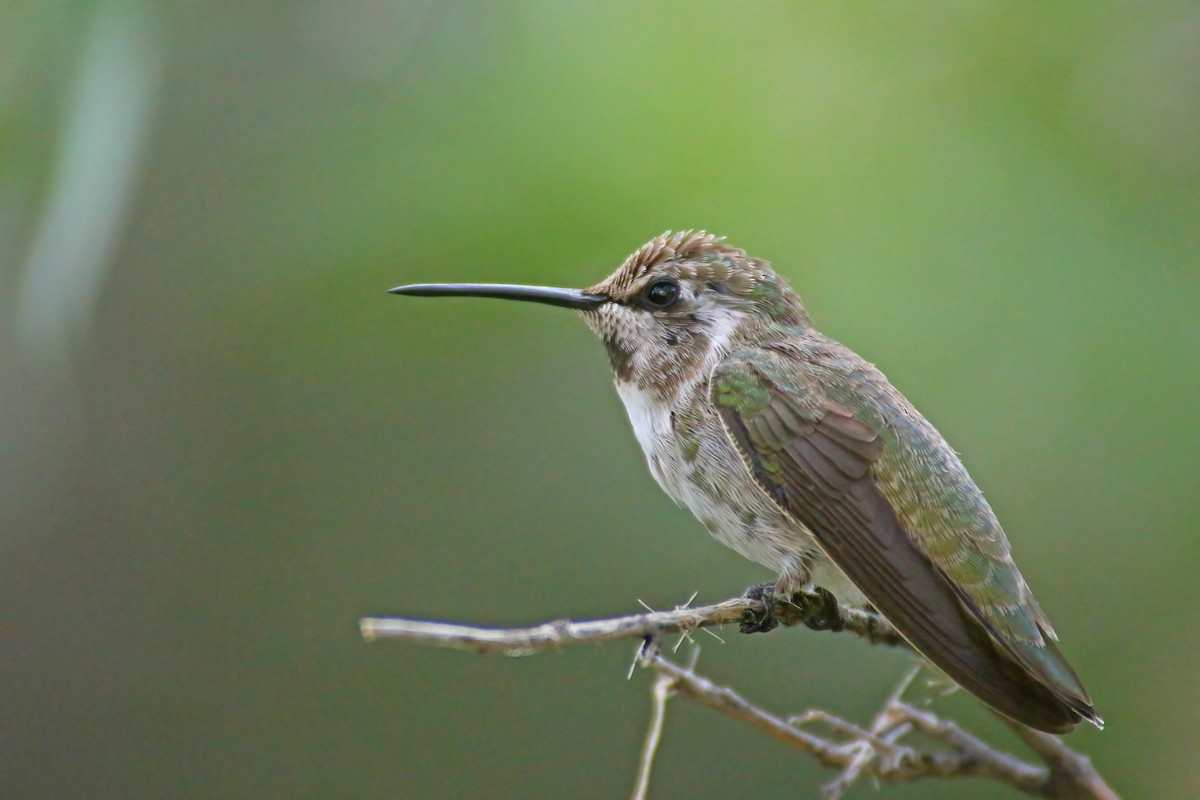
(564, 633)
(878, 743)
(661, 693)
(1072, 774)
(879, 752)
(687, 683)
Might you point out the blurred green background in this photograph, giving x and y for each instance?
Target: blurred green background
(221, 442)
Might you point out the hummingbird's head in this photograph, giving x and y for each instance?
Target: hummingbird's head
(678, 303)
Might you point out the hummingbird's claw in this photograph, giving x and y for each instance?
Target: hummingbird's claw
(824, 615)
(764, 592)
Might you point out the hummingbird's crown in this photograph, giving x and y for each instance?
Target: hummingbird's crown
(696, 255)
(714, 268)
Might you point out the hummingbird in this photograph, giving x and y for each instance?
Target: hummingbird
(800, 455)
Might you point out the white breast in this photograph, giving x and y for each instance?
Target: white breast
(651, 415)
(651, 419)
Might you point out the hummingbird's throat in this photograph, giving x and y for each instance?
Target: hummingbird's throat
(662, 357)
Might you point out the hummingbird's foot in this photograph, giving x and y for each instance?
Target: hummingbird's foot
(816, 608)
(752, 623)
(822, 613)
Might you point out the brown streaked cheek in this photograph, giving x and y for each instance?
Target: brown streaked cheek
(620, 356)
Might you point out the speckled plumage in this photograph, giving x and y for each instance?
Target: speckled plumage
(801, 456)
(729, 389)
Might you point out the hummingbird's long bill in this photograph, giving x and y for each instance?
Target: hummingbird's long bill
(567, 298)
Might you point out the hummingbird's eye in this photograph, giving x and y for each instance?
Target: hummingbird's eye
(661, 294)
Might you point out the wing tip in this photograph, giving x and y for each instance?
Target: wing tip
(1088, 714)
(1026, 699)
